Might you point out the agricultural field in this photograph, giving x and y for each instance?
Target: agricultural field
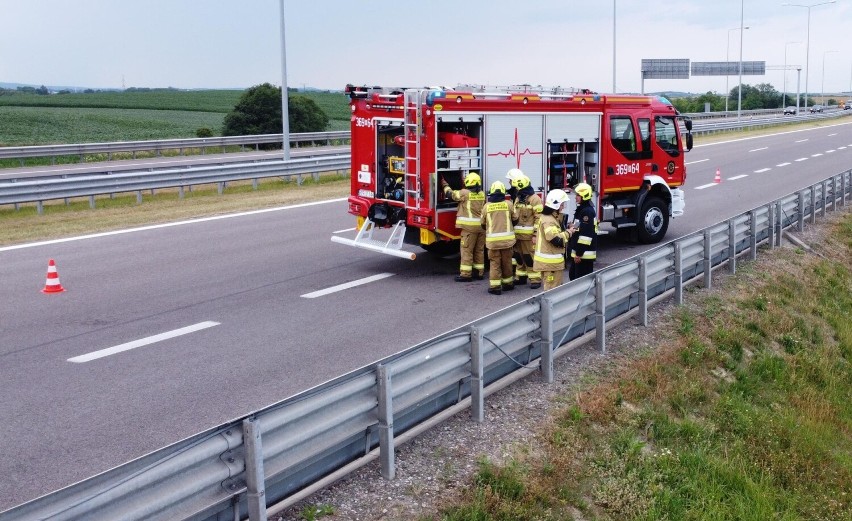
(31, 119)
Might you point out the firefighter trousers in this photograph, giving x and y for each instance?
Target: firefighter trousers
(584, 267)
(524, 261)
(551, 279)
(501, 267)
(472, 251)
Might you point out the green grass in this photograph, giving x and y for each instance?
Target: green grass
(30, 119)
(744, 414)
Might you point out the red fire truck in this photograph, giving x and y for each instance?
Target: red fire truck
(629, 148)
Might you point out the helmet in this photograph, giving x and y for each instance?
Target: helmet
(521, 182)
(584, 191)
(514, 174)
(472, 179)
(498, 187)
(555, 198)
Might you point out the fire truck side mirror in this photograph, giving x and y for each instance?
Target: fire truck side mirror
(688, 124)
(688, 142)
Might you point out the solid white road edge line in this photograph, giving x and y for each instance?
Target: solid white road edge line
(94, 355)
(341, 287)
(167, 225)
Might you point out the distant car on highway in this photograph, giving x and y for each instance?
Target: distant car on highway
(790, 110)
(816, 108)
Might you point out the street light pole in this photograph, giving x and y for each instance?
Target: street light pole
(613, 46)
(728, 60)
(740, 89)
(784, 95)
(822, 94)
(285, 115)
(808, 43)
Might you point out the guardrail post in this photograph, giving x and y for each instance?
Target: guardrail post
(732, 246)
(221, 188)
(254, 184)
(813, 204)
(801, 211)
(600, 313)
(834, 194)
(843, 188)
(771, 224)
(643, 291)
(40, 207)
(386, 441)
(92, 202)
(752, 228)
(708, 260)
(256, 487)
(477, 380)
(138, 196)
(546, 339)
(180, 192)
(779, 222)
(678, 275)
(824, 198)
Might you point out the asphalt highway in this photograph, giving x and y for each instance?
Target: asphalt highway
(165, 331)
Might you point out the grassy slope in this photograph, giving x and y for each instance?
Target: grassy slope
(30, 119)
(742, 412)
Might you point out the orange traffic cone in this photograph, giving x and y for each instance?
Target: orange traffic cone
(52, 285)
(718, 178)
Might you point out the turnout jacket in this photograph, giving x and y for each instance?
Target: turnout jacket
(549, 256)
(469, 213)
(528, 207)
(497, 223)
(584, 242)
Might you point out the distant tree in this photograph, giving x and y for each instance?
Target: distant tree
(28, 90)
(259, 112)
(42, 91)
(204, 132)
(761, 96)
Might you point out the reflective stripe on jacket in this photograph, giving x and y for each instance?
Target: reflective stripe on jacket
(497, 220)
(469, 213)
(526, 216)
(584, 242)
(547, 256)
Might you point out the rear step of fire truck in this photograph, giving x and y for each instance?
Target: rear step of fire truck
(364, 239)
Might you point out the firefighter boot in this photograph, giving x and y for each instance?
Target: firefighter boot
(480, 275)
(535, 284)
(508, 287)
(522, 280)
(495, 290)
(464, 278)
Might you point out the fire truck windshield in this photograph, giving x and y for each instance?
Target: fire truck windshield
(666, 134)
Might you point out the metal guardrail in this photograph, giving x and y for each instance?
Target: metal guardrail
(286, 451)
(40, 190)
(160, 145)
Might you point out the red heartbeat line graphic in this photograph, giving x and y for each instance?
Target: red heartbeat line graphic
(514, 152)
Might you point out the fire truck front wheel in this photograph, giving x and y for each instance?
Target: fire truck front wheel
(653, 221)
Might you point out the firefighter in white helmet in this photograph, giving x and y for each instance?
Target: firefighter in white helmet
(471, 198)
(551, 240)
(499, 238)
(528, 208)
(584, 242)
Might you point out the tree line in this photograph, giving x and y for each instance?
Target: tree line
(754, 97)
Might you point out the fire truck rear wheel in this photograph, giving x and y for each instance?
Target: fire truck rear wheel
(653, 221)
(442, 248)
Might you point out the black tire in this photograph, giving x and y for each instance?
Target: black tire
(653, 221)
(442, 248)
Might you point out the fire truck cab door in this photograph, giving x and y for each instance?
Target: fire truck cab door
(631, 161)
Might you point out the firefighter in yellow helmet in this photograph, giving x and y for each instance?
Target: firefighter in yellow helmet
(584, 242)
(528, 208)
(471, 198)
(551, 240)
(499, 237)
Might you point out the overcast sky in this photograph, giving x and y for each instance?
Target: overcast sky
(329, 43)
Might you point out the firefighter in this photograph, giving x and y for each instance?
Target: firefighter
(468, 218)
(585, 239)
(551, 240)
(499, 237)
(528, 208)
(513, 175)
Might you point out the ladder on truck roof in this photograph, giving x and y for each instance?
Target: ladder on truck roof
(413, 101)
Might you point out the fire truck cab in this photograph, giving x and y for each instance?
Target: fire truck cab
(630, 149)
